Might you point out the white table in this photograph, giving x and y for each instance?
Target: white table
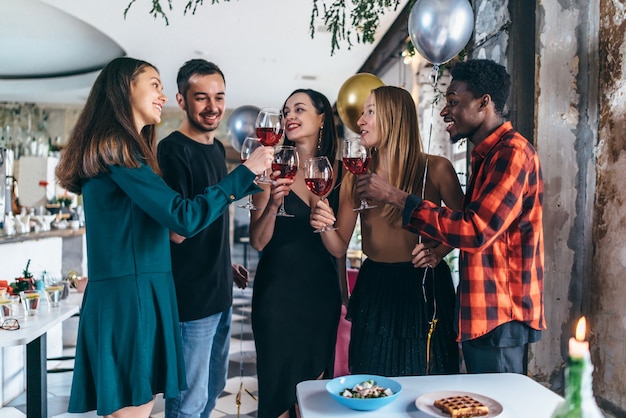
(32, 333)
(519, 396)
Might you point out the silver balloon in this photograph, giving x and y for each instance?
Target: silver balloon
(241, 125)
(440, 29)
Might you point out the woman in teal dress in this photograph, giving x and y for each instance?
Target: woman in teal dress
(128, 347)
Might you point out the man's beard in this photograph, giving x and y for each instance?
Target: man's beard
(456, 138)
(200, 127)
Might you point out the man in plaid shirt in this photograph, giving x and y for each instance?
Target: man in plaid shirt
(499, 230)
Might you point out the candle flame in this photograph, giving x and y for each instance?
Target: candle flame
(581, 329)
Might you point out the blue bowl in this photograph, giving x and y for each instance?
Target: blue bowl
(336, 386)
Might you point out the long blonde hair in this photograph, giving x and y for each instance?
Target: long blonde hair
(396, 120)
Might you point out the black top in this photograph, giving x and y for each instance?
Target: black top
(201, 264)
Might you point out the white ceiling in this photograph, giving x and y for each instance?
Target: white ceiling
(263, 47)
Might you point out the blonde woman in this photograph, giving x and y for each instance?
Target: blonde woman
(404, 290)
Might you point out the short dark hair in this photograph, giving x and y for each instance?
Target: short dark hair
(193, 67)
(484, 77)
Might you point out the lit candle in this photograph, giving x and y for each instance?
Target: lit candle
(578, 347)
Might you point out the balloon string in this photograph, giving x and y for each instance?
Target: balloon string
(435, 75)
(434, 319)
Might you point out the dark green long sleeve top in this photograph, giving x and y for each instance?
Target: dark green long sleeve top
(129, 212)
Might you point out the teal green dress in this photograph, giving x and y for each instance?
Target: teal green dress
(129, 346)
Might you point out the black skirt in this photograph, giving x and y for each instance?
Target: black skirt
(392, 309)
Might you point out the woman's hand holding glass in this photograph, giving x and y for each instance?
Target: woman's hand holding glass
(280, 187)
(318, 176)
(322, 215)
(285, 163)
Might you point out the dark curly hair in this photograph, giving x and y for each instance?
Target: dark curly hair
(484, 77)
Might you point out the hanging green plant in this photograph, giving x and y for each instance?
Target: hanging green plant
(363, 17)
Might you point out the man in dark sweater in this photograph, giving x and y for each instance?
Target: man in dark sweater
(192, 159)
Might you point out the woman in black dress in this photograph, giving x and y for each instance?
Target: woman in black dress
(296, 299)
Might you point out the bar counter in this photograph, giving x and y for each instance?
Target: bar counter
(62, 233)
(33, 334)
(54, 253)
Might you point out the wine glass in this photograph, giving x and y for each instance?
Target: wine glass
(9, 306)
(269, 130)
(247, 148)
(318, 176)
(286, 161)
(356, 158)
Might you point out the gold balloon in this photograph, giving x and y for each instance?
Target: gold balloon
(352, 95)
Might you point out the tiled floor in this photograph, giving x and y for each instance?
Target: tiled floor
(241, 372)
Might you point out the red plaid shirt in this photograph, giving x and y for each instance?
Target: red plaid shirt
(500, 234)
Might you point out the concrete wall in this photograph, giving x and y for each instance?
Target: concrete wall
(608, 287)
(579, 125)
(566, 127)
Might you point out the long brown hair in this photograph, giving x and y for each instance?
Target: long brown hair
(396, 121)
(105, 133)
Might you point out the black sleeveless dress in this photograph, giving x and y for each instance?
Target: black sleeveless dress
(296, 305)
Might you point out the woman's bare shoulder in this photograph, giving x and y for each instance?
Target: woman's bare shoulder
(437, 162)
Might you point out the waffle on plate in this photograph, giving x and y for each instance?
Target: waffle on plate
(461, 406)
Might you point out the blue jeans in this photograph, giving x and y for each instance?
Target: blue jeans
(205, 348)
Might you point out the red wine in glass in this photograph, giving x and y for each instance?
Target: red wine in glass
(319, 186)
(269, 136)
(269, 129)
(286, 161)
(318, 176)
(356, 158)
(287, 171)
(357, 165)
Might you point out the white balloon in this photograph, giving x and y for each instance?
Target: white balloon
(440, 29)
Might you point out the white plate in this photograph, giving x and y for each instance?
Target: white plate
(426, 401)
